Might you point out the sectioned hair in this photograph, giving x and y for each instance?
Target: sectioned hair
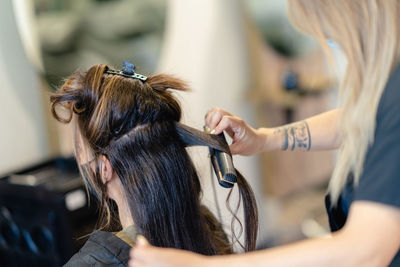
(135, 125)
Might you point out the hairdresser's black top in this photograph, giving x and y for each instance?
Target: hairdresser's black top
(380, 179)
(101, 249)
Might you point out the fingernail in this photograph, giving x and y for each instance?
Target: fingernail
(207, 129)
(141, 241)
(212, 132)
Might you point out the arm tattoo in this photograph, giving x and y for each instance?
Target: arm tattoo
(295, 135)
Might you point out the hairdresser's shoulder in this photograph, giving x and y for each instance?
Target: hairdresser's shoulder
(102, 248)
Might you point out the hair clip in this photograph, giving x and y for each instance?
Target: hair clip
(128, 71)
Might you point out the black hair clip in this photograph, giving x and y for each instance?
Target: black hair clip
(128, 71)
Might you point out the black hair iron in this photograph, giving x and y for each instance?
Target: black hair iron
(220, 155)
(223, 164)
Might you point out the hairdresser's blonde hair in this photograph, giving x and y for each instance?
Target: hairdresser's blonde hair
(368, 31)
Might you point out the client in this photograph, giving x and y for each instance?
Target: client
(130, 148)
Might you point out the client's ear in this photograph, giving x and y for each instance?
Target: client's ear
(106, 169)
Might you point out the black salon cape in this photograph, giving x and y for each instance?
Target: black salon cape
(101, 249)
(380, 179)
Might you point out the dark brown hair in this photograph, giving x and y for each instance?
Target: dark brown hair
(134, 124)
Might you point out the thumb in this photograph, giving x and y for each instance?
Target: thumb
(142, 252)
(230, 124)
(141, 241)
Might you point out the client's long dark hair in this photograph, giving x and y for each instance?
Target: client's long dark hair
(134, 124)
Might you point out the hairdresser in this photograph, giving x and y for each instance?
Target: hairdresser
(363, 201)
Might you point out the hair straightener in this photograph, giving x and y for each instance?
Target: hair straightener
(222, 164)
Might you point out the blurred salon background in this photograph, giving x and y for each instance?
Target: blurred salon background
(241, 55)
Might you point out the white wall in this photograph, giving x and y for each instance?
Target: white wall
(205, 44)
(23, 138)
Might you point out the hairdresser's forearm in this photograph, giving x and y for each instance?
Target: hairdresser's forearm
(335, 251)
(320, 132)
(359, 243)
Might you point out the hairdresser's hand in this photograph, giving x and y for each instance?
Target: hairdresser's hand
(145, 255)
(246, 140)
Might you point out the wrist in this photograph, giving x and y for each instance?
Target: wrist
(265, 139)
